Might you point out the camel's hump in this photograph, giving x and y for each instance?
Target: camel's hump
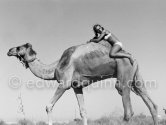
(83, 51)
(93, 49)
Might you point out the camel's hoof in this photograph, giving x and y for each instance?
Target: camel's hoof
(128, 117)
(48, 109)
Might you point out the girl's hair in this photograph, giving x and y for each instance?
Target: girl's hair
(95, 27)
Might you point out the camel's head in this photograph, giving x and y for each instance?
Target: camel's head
(24, 53)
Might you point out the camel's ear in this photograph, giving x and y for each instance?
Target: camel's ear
(28, 45)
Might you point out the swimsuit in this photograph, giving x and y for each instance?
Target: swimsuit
(116, 43)
(119, 43)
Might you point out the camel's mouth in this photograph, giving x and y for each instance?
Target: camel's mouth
(19, 57)
(11, 54)
(16, 55)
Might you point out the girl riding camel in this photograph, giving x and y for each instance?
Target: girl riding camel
(101, 33)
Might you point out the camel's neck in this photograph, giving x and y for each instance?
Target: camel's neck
(43, 71)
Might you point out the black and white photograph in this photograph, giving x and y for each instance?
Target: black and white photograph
(82, 62)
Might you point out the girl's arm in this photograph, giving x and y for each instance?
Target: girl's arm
(99, 38)
(95, 37)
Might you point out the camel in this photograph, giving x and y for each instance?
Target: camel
(81, 65)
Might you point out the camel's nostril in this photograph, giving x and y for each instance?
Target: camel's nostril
(9, 52)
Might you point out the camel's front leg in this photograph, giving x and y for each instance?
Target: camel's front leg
(59, 92)
(80, 99)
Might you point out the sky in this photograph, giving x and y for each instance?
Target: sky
(52, 26)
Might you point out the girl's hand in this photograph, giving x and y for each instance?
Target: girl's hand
(91, 40)
(88, 41)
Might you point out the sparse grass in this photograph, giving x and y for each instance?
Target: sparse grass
(106, 120)
(41, 123)
(25, 122)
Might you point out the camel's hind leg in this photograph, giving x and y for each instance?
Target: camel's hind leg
(124, 76)
(139, 88)
(80, 99)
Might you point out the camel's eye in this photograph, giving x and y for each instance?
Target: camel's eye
(18, 48)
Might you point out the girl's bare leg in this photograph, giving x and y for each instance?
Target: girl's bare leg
(114, 53)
